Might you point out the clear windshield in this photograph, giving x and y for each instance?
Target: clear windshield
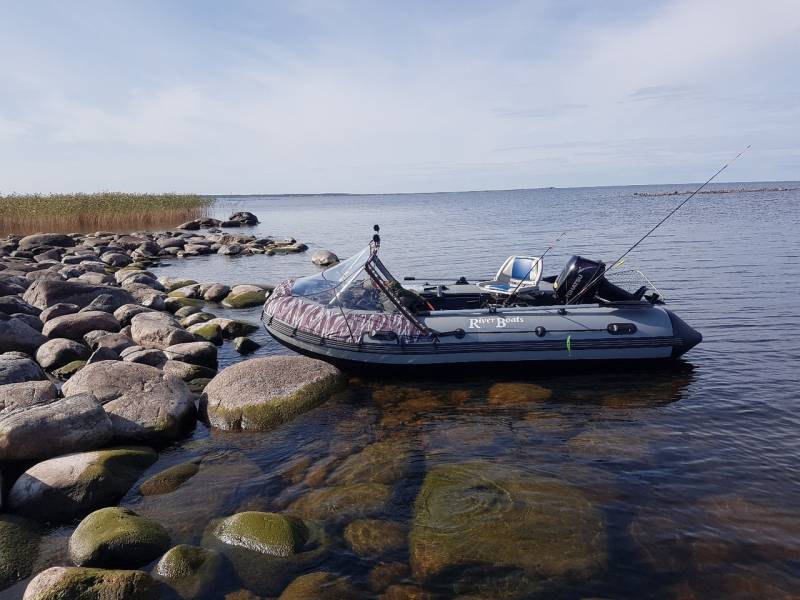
(346, 285)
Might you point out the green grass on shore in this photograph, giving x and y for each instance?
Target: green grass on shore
(111, 211)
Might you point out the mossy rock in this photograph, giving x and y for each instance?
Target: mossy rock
(19, 547)
(266, 533)
(232, 328)
(171, 284)
(480, 515)
(69, 486)
(244, 345)
(245, 299)
(189, 570)
(194, 318)
(172, 304)
(320, 585)
(343, 502)
(116, 537)
(74, 583)
(207, 331)
(69, 369)
(169, 479)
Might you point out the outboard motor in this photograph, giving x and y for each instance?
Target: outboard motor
(579, 280)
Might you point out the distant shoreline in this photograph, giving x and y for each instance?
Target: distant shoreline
(631, 185)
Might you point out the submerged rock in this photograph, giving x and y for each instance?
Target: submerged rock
(482, 515)
(19, 547)
(170, 479)
(117, 538)
(262, 393)
(374, 537)
(73, 424)
(518, 393)
(267, 533)
(320, 585)
(72, 486)
(143, 402)
(342, 502)
(68, 583)
(381, 462)
(189, 570)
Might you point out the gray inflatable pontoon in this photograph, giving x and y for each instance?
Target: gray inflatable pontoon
(356, 314)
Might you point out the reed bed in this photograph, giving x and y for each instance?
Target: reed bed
(110, 211)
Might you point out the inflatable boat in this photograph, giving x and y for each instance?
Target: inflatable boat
(356, 314)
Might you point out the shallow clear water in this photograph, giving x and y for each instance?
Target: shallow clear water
(681, 482)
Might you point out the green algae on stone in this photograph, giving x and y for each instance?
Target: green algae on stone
(117, 538)
(232, 328)
(197, 385)
(320, 585)
(75, 583)
(208, 331)
(72, 485)
(189, 570)
(482, 514)
(245, 299)
(244, 345)
(19, 547)
(266, 533)
(342, 503)
(169, 479)
(382, 462)
(69, 369)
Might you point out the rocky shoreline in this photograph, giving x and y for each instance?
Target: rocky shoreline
(102, 364)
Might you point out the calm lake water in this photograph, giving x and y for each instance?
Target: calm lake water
(676, 483)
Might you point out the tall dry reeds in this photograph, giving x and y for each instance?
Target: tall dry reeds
(110, 211)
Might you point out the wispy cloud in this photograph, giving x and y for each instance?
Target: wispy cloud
(307, 96)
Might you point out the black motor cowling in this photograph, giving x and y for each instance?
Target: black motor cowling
(579, 280)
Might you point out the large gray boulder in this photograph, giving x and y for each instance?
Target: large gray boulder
(16, 367)
(27, 393)
(46, 292)
(63, 583)
(324, 258)
(65, 487)
(126, 312)
(73, 424)
(58, 352)
(76, 325)
(158, 330)
(143, 402)
(196, 353)
(58, 310)
(17, 336)
(262, 393)
(11, 305)
(38, 240)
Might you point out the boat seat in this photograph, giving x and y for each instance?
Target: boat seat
(521, 273)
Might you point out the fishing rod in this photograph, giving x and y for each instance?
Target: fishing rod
(535, 262)
(656, 226)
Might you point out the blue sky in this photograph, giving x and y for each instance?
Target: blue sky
(370, 96)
